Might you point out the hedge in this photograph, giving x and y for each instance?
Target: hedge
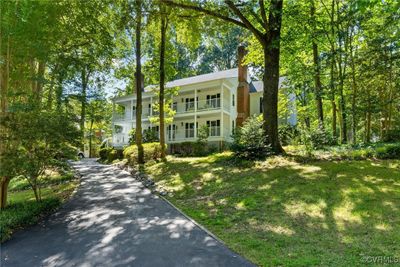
(152, 151)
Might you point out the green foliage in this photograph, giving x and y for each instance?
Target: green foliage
(202, 134)
(286, 201)
(150, 136)
(109, 154)
(193, 149)
(391, 151)
(318, 138)
(152, 151)
(39, 137)
(132, 136)
(392, 136)
(288, 135)
(23, 214)
(249, 141)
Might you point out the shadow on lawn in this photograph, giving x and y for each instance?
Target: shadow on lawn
(321, 213)
(112, 221)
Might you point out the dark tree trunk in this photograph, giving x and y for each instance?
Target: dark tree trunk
(343, 113)
(83, 107)
(317, 71)
(90, 138)
(162, 80)
(138, 76)
(271, 48)
(4, 181)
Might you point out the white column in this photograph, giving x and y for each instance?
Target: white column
(195, 113)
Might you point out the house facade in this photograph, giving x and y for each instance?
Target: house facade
(220, 100)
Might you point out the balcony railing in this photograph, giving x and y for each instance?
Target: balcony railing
(180, 108)
(201, 105)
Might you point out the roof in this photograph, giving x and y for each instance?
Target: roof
(225, 74)
(258, 86)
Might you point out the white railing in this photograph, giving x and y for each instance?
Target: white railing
(119, 117)
(201, 105)
(180, 108)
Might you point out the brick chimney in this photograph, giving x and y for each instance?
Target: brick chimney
(243, 97)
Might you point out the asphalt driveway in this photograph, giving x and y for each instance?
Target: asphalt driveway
(113, 221)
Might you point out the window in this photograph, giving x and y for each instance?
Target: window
(214, 101)
(118, 129)
(156, 129)
(189, 104)
(189, 129)
(175, 106)
(261, 104)
(233, 127)
(134, 111)
(171, 132)
(233, 100)
(214, 128)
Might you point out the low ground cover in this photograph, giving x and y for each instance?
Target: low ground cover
(285, 212)
(24, 210)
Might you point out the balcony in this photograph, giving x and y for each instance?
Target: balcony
(180, 108)
(202, 105)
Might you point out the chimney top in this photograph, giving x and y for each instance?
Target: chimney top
(242, 75)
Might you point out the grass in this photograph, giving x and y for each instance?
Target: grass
(23, 210)
(280, 212)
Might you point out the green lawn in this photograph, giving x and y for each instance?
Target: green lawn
(23, 209)
(283, 213)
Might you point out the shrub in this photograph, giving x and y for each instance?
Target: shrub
(110, 154)
(288, 134)
(132, 136)
(150, 136)
(152, 151)
(392, 136)
(249, 141)
(388, 152)
(194, 149)
(103, 153)
(318, 138)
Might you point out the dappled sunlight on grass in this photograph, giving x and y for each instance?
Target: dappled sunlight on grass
(283, 212)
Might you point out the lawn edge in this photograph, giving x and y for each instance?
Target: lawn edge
(45, 215)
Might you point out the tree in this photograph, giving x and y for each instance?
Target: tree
(163, 30)
(138, 78)
(267, 32)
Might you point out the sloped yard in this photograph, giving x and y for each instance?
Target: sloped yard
(281, 212)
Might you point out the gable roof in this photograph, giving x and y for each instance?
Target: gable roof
(257, 86)
(231, 73)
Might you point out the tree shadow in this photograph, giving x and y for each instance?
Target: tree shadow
(320, 213)
(113, 221)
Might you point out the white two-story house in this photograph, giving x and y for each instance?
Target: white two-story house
(220, 100)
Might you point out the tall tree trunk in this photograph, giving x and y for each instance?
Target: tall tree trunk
(332, 71)
(353, 99)
(90, 138)
(343, 113)
(58, 93)
(368, 128)
(40, 81)
(4, 82)
(138, 77)
(4, 181)
(83, 107)
(163, 29)
(271, 48)
(317, 70)
(333, 102)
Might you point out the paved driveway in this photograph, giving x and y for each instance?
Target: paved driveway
(113, 221)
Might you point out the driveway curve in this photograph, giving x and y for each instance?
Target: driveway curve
(113, 221)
